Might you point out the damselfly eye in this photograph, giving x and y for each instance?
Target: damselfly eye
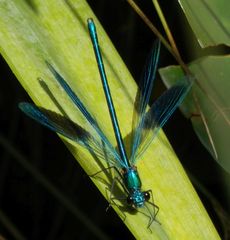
(129, 200)
(146, 196)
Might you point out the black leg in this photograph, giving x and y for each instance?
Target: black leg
(111, 199)
(155, 207)
(111, 189)
(155, 210)
(103, 170)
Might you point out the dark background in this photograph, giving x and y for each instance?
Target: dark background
(33, 208)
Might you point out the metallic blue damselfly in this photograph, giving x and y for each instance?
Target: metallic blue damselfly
(146, 124)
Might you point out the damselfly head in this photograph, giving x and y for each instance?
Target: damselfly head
(137, 199)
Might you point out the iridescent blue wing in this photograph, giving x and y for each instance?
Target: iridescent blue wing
(155, 118)
(78, 103)
(142, 98)
(97, 135)
(88, 116)
(69, 129)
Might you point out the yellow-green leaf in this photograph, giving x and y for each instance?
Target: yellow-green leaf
(56, 31)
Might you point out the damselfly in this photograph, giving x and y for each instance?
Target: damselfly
(146, 124)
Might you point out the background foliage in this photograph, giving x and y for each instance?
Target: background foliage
(21, 197)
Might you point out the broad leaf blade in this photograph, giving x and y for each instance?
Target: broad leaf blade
(56, 31)
(212, 73)
(209, 20)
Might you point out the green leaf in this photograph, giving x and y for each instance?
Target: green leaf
(56, 31)
(209, 20)
(212, 73)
